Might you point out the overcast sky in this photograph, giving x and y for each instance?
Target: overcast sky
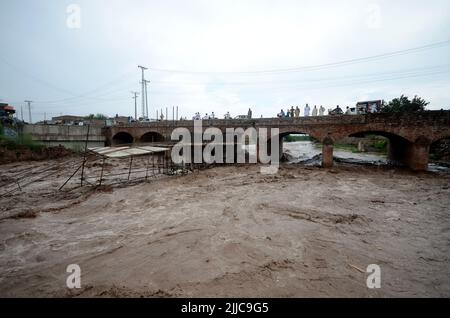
(81, 57)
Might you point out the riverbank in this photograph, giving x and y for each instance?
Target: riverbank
(23, 148)
(231, 231)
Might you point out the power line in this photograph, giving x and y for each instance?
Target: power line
(306, 80)
(59, 89)
(84, 104)
(320, 83)
(88, 94)
(338, 84)
(320, 66)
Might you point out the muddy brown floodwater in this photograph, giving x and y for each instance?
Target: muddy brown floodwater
(230, 231)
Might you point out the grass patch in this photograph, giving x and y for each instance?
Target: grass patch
(294, 138)
(347, 147)
(23, 141)
(380, 145)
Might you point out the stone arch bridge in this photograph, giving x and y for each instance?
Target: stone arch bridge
(410, 134)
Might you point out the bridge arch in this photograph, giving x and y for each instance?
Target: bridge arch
(299, 131)
(151, 136)
(284, 133)
(387, 134)
(440, 148)
(440, 137)
(398, 147)
(122, 138)
(411, 151)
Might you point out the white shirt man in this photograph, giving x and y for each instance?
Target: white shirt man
(307, 109)
(321, 110)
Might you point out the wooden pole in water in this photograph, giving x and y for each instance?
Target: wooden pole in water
(70, 177)
(129, 171)
(85, 152)
(146, 168)
(153, 165)
(101, 174)
(158, 162)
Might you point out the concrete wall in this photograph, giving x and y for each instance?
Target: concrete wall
(72, 137)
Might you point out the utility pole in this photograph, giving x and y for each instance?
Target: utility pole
(143, 68)
(29, 109)
(146, 100)
(21, 112)
(135, 104)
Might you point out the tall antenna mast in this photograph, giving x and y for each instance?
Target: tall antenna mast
(143, 68)
(29, 110)
(135, 104)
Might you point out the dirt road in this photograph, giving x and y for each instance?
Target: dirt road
(231, 231)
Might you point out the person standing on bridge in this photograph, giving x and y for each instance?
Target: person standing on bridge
(321, 110)
(297, 112)
(249, 114)
(314, 111)
(292, 111)
(347, 111)
(307, 109)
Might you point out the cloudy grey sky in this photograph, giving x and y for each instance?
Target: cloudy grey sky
(207, 55)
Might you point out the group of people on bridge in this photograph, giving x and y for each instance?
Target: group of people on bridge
(295, 112)
(289, 113)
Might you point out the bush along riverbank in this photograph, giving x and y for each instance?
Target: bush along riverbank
(23, 147)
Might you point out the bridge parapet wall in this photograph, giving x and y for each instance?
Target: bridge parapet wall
(410, 126)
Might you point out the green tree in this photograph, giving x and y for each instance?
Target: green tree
(98, 116)
(403, 104)
(101, 116)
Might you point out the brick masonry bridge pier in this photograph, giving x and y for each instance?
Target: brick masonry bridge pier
(410, 134)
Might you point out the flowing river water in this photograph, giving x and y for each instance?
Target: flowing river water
(309, 153)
